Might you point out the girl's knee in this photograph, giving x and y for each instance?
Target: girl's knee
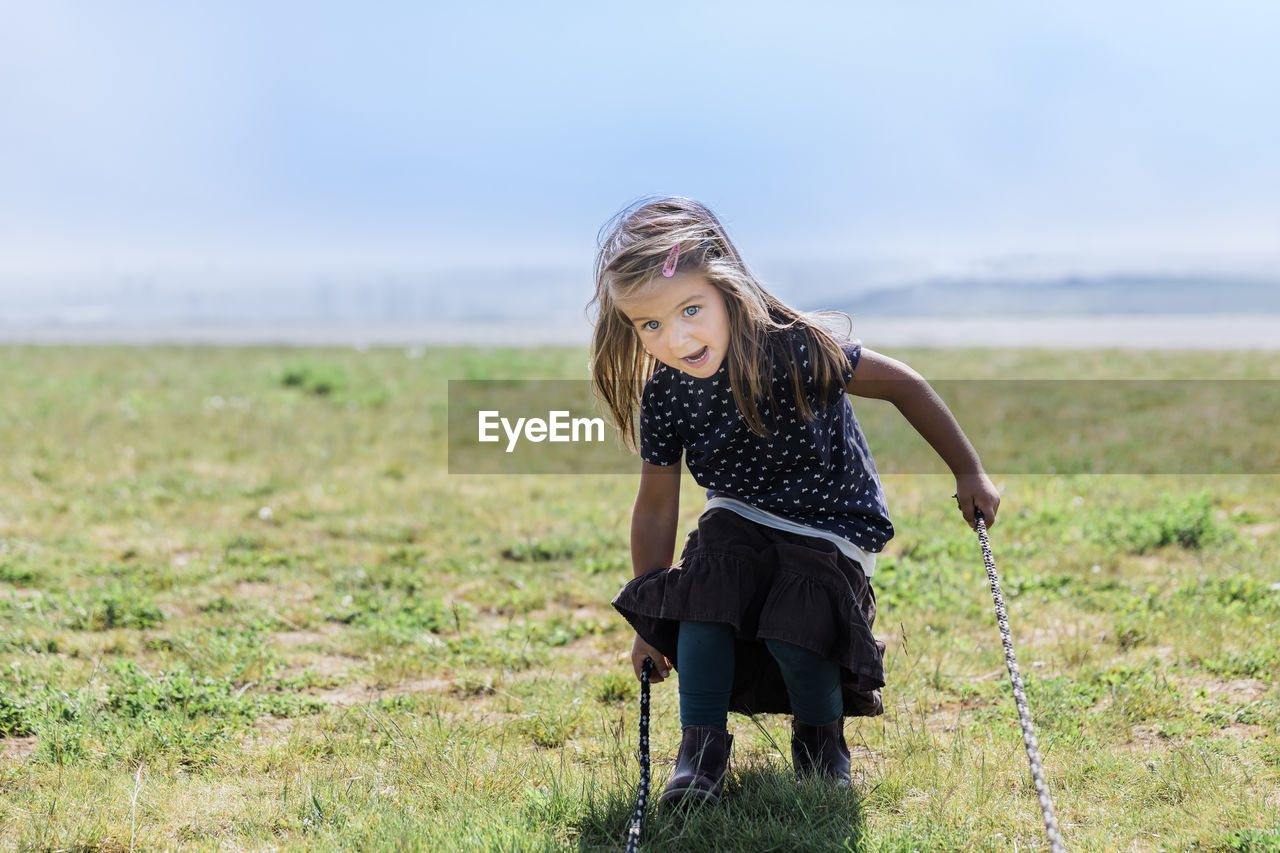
(792, 657)
(712, 631)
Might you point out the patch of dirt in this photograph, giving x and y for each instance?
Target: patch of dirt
(299, 638)
(332, 665)
(1061, 636)
(1057, 629)
(950, 716)
(1235, 690)
(1145, 739)
(458, 595)
(1153, 563)
(590, 646)
(1149, 738)
(345, 697)
(421, 685)
(493, 620)
(332, 669)
(107, 538)
(1258, 531)
(269, 731)
(256, 589)
(1244, 731)
(18, 748)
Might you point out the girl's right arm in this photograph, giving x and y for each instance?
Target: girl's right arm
(653, 542)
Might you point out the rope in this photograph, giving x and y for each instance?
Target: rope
(1019, 697)
(642, 798)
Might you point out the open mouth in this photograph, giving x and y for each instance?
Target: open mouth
(699, 358)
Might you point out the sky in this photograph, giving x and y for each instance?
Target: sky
(144, 134)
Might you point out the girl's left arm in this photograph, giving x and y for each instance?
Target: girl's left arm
(882, 378)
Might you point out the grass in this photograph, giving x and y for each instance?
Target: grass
(243, 605)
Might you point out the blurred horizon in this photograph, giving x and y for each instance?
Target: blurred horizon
(161, 152)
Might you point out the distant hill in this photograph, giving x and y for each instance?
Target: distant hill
(1127, 294)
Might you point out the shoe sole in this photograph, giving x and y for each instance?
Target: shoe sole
(686, 798)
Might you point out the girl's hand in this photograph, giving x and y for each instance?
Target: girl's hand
(977, 490)
(641, 650)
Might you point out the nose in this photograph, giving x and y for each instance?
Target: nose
(677, 336)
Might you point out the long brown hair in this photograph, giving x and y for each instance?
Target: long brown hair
(633, 246)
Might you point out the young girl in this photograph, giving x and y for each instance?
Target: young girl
(769, 608)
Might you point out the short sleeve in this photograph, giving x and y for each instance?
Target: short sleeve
(659, 442)
(852, 352)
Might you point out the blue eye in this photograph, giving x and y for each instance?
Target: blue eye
(650, 325)
(691, 310)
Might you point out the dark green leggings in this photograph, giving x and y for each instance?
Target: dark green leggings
(706, 677)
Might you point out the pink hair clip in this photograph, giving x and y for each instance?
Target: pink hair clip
(673, 258)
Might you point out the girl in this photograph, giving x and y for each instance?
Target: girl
(769, 608)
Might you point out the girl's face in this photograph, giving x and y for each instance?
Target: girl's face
(682, 322)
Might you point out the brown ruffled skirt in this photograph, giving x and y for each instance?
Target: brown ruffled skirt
(767, 584)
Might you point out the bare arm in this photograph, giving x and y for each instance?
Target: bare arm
(653, 542)
(654, 518)
(882, 378)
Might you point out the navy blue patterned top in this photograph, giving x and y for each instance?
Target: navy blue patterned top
(819, 474)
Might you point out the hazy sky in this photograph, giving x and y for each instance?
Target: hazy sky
(231, 132)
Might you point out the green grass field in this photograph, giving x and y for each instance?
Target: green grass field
(242, 604)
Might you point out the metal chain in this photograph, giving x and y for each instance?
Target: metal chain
(642, 798)
(1019, 697)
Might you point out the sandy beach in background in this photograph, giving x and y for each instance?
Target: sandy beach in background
(1092, 332)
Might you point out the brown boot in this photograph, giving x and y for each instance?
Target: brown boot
(820, 751)
(701, 765)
